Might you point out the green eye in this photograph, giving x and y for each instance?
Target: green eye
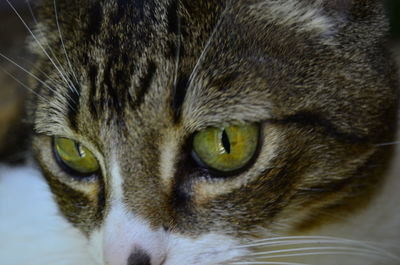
(74, 158)
(226, 149)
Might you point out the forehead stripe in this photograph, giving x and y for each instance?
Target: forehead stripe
(145, 83)
(93, 108)
(73, 100)
(95, 19)
(172, 14)
(178, 96)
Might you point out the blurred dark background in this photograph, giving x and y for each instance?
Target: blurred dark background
(393, 7)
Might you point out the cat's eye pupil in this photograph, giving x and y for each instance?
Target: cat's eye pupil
(80, 150)
(225, 141)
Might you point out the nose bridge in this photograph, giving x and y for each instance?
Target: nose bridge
(142, 192)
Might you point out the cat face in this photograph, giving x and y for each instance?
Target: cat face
(174, 132)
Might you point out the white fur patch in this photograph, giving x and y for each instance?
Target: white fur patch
(168, 152)
(207, 249)
(116, 181)
(31, 230)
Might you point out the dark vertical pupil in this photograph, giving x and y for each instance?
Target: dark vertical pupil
(79, 149)
(225, 142)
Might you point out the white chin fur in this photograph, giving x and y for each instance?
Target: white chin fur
(31, 230)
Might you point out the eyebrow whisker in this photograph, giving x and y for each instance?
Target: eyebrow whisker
(63, 45)
(41, 46)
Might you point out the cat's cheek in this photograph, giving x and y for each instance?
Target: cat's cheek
(125, 237)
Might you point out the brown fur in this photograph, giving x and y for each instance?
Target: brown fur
(328, 97)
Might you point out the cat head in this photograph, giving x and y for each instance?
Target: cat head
(172, 132)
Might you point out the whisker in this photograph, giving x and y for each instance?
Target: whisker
(266, 263)
(40, 45)
(28, 72)
(62, 42)
(285, 243)
(317, 238)
(42, 34)
(178, 52)
(22, 84)
(363, 254)
(388, 143)
(206, 47)
(33, 76)
(46, 43)
(302, 249)
(28, 2)
(294, 240)
(51, 80)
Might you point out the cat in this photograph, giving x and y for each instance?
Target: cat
(207, 132)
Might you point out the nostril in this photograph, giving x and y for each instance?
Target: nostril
(139, 257)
